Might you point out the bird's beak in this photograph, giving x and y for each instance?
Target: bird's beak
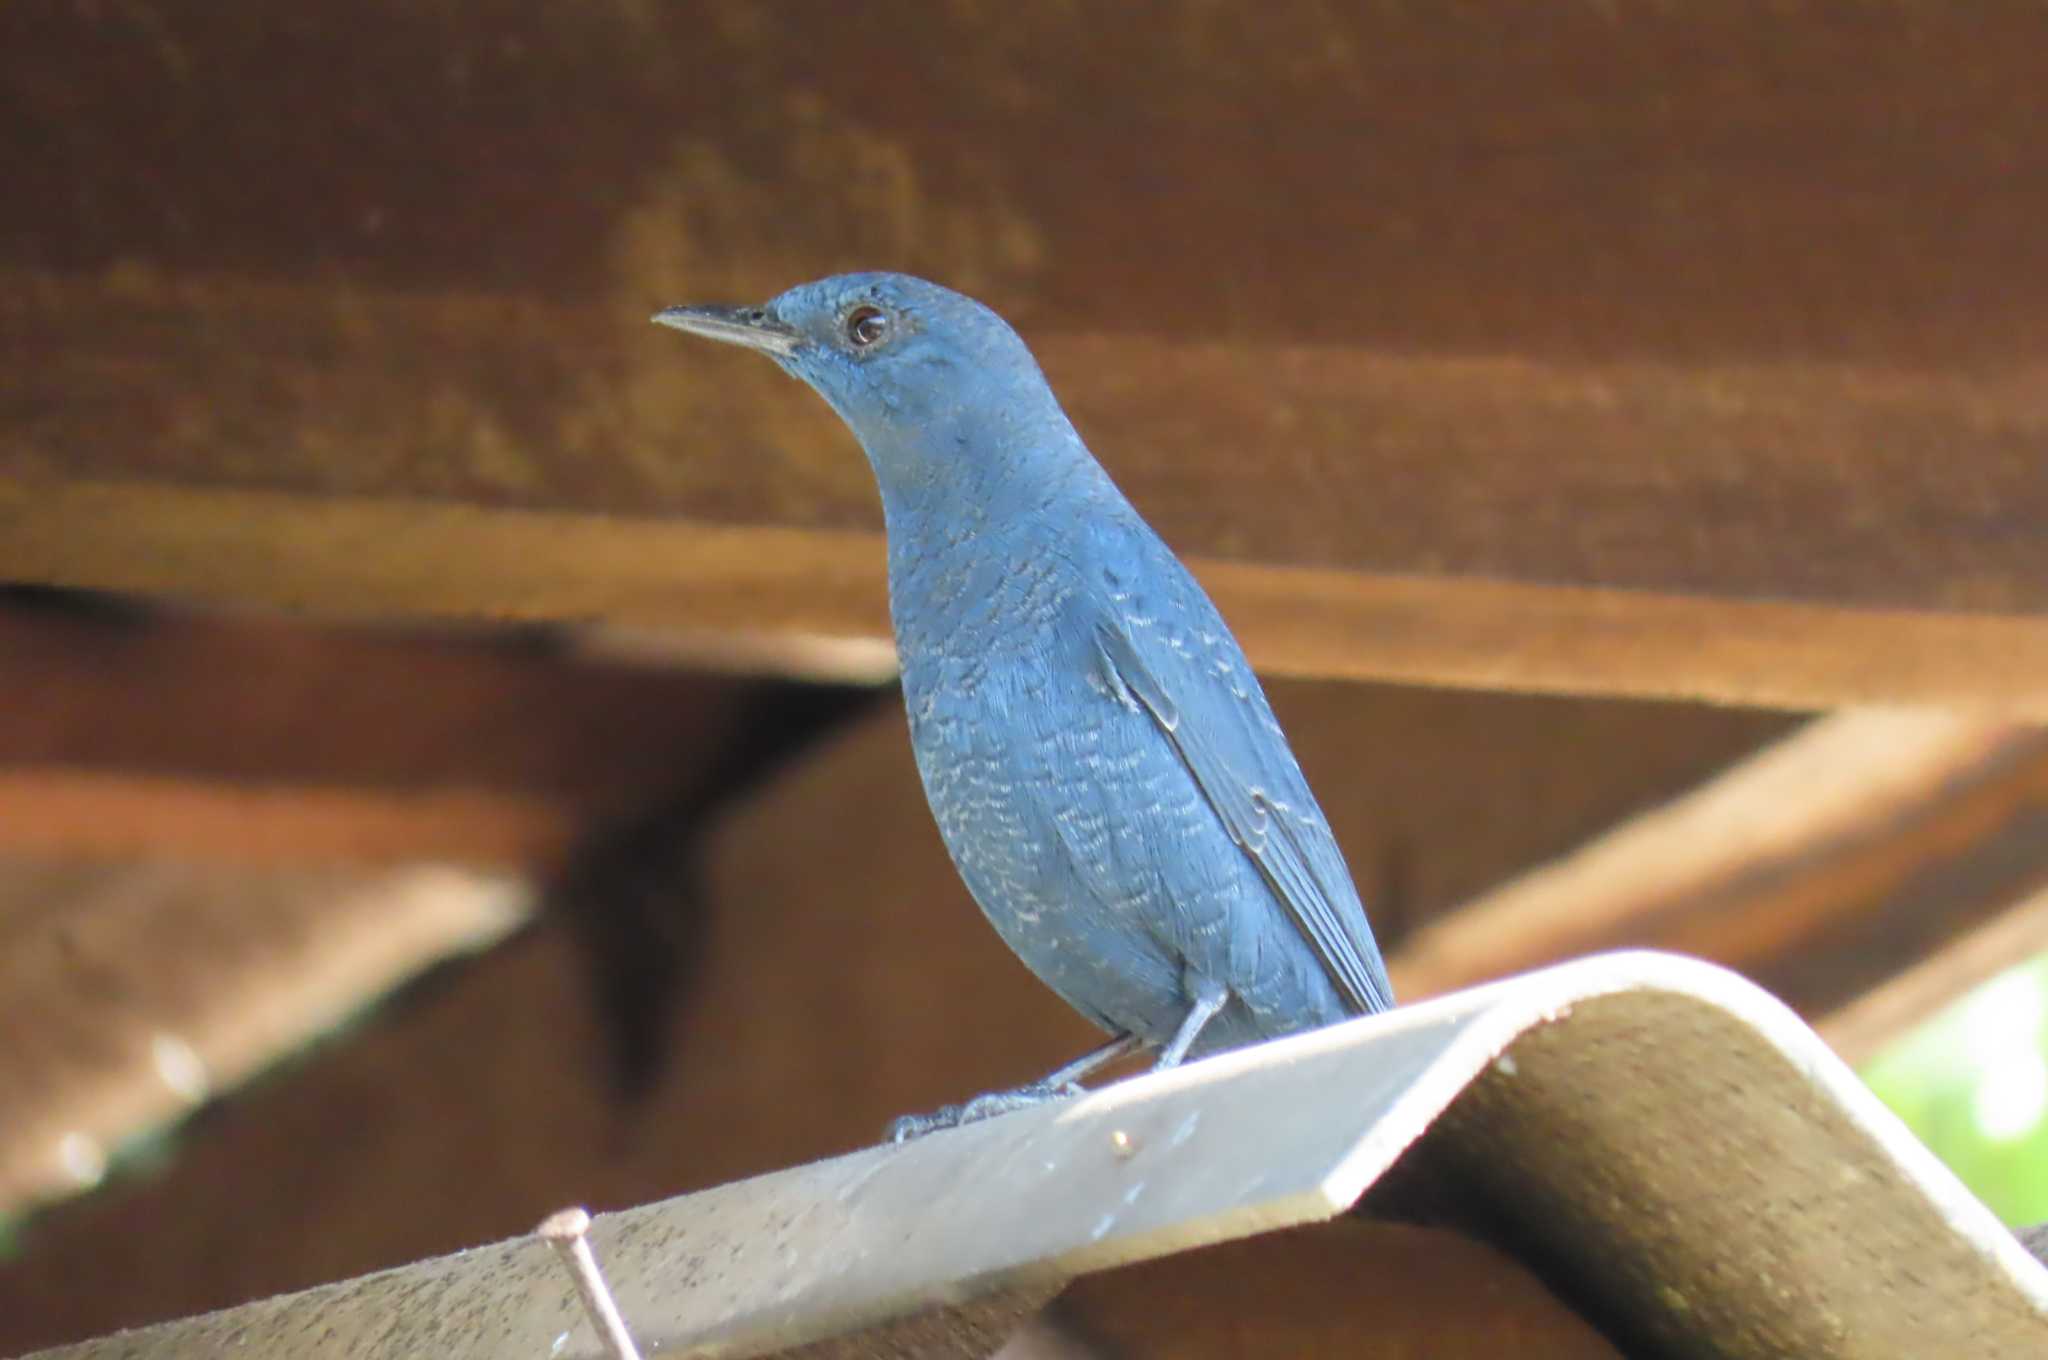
(754, 327)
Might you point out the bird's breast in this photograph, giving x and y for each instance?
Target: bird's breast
(1001, 694)
(959, 608)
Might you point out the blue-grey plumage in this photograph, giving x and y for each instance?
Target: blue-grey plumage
(1102, 764)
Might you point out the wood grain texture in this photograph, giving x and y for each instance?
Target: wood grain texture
(436, 561)
(1731, 317)
(1844, 482)
(1816, 177)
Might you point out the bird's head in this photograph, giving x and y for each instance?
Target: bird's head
(938, 389)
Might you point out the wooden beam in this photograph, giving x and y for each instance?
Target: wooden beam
(248, 705)
(96, 815)
(1862, 1028)
(256, 742)
(1548, 388)
(132, 992)
(426, 560)
(1823, 867)
(1841, 482)
(219, 838)
(1820, 177)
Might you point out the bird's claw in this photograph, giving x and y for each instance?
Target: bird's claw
(985, 1106)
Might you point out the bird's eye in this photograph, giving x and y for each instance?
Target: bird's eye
(866, 327)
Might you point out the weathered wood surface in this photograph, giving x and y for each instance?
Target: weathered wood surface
(1825, 479)
(1679, 352)
(1822, 177)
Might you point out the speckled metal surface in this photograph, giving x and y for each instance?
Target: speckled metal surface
(1665, 1143)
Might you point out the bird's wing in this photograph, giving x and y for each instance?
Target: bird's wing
(1227, 738)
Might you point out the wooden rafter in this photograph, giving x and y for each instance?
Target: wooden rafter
(220, 838)
(134, 991)
(1861, 1028)
(215, 739)
(1825, 866)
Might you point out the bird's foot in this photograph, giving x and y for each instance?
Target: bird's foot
(986, 1106)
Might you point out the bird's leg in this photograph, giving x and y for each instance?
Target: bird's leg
(1210, 997)
(1065, 1081)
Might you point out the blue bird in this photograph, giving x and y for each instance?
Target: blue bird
(1102, 764)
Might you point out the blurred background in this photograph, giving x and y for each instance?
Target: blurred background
(449, 765)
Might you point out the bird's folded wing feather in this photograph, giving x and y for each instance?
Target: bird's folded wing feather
(1266, 809)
